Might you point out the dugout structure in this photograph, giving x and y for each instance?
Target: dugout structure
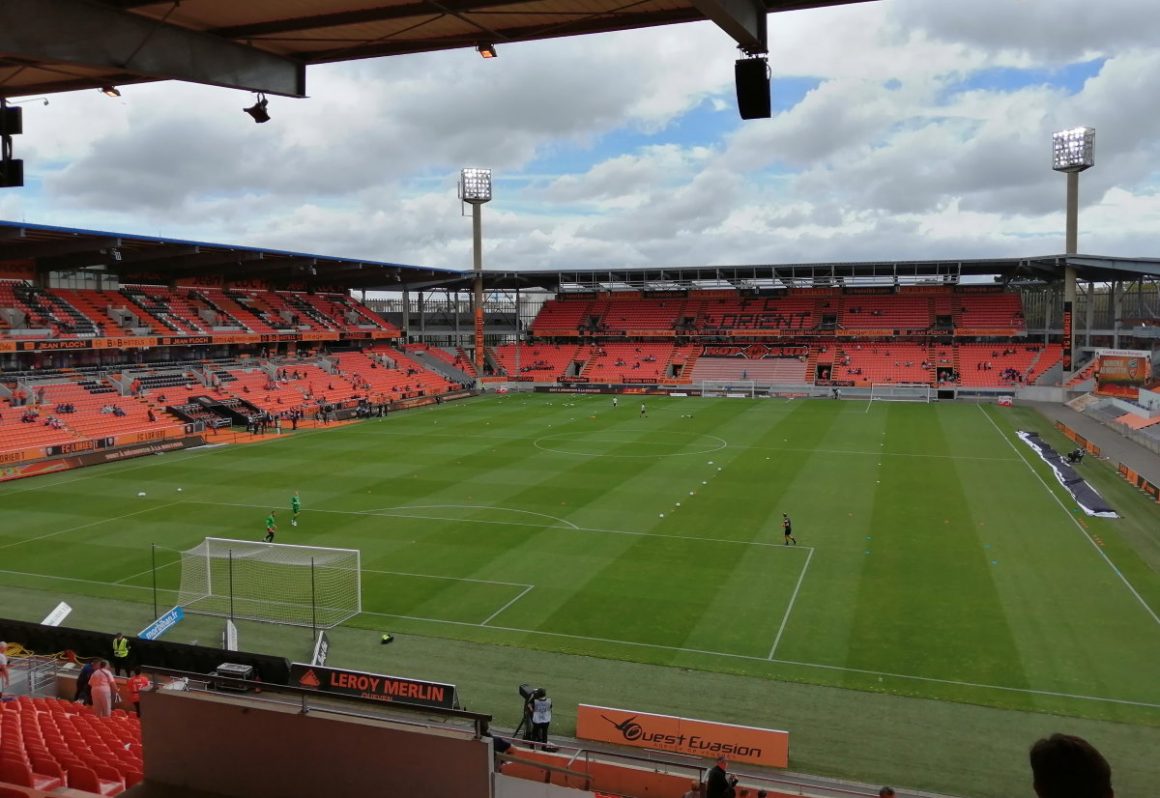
(295, 585)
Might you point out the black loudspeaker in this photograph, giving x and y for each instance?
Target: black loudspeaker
(753, 99)
(11, 173)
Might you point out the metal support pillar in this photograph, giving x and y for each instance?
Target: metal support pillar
(1117, 312)
(406, 325)
(1090, 314)
(477, 265)
(1070, 248)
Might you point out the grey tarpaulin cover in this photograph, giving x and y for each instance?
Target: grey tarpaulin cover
(1084, 494)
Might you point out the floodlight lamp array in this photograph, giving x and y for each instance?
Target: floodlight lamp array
(1073, 150)
(475, 185)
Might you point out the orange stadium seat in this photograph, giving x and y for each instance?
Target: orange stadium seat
(540, 362)
(625, 363)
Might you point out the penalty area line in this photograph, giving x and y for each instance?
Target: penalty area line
(448, 578)
(789, 607)
(491, 617)
(125, 579)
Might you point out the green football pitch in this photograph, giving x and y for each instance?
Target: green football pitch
(936, 556)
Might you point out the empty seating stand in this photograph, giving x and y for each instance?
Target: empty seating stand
(540, 362)
(48, 743)
(627, 363)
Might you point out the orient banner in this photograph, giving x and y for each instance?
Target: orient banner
(373, 686)
(702, 738)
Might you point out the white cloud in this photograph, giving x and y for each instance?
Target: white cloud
(622, 149)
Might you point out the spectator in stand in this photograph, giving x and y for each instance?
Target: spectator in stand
(719, 783)
(3, 667)
(1063, 766)
(135, 684)
(103, 688)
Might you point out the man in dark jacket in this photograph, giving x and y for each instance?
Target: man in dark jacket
(720, 784)
(83, 695)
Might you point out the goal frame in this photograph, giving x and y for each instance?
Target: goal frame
(323, 608)
(902, 392)
(719, 389)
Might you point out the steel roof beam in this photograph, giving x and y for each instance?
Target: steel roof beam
(97, 36)
(356, 17)
(191, 264)
(744, 20)
(158, 253)
(50, 249)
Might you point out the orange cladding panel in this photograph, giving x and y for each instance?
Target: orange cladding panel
(768, 747)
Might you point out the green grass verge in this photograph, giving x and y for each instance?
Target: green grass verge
(540, 539)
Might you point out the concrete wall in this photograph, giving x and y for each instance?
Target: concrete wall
(1042, 393)
(249, 749)
(1149, 399)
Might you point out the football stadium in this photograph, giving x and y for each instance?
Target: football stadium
(287, 523)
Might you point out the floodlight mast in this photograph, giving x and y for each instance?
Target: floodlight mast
(475, 190)
(1072, 152)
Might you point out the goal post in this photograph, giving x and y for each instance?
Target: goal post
(901, 392)
(295, 585)
(746, 389)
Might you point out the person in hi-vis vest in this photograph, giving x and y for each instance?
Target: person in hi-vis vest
(120, 656)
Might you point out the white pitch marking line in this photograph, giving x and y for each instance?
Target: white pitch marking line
(449, 578)
(194, 453)
(146, 571)
(749, 657)
(84, 581)
(377, 514)
(677, 649)
(471, 507)
(1071, 518)
(789, 607)
(523, 593)
(536, 443)
(86, 526)
(103, 472)
(425, 434)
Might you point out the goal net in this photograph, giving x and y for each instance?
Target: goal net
(900, 392)
(745, 389)
(296, 585)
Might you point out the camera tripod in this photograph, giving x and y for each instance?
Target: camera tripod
(524, 730)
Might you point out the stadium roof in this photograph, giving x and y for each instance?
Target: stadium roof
(50, 46)
(1043, 269)
(151, 259)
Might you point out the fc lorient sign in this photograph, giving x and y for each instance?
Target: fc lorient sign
(373, 686)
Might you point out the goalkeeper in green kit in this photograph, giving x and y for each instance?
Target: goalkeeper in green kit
(295, 508)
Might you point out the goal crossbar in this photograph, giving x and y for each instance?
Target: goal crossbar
(900, 392)
(729, 388)
(298, 585)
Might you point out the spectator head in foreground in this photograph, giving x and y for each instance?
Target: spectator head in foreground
(885, 792)
(1064, 766)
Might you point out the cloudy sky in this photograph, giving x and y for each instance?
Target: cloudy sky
(902, 129)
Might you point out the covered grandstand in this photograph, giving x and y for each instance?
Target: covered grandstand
(116, 346)
(110, 340)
